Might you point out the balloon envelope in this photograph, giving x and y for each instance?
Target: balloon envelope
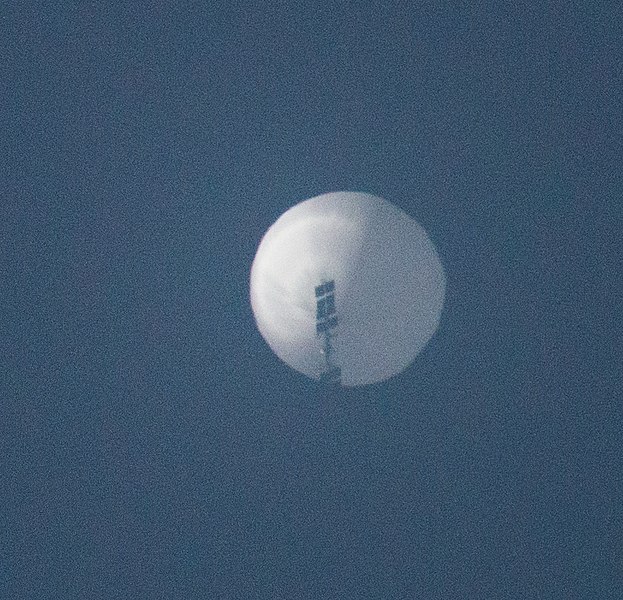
(389, 286)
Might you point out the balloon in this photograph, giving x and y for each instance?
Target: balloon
(388, 293)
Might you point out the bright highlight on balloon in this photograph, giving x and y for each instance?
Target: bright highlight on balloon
(347, 288)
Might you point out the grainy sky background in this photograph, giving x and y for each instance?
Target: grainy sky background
(152, 446)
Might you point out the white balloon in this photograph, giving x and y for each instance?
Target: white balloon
(389, 286)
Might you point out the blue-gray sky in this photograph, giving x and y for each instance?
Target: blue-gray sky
(152, 446)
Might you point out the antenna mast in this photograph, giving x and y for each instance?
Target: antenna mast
(326, 322)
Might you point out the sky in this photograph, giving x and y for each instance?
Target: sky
(151, 444)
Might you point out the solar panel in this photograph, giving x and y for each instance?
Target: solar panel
(326, 320)
(330, 305)
(320, 310)
(323, 326)
(325, 307)
(324, 288)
